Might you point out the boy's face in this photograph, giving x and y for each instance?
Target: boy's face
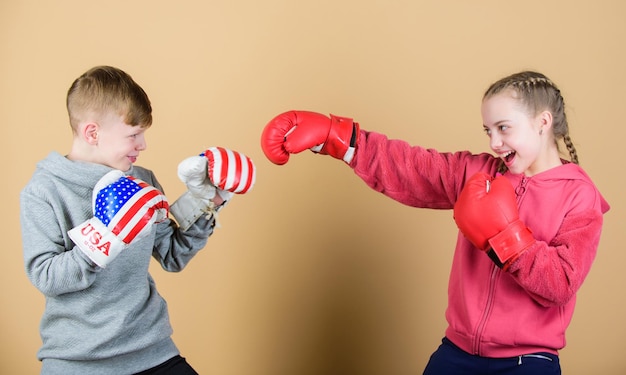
(119, 144)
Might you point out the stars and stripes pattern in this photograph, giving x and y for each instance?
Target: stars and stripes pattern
(230, 170)
(127, 205)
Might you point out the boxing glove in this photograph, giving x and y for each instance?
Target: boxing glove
(124, 210)
(487, 215)
(295, 131)
(217, 171)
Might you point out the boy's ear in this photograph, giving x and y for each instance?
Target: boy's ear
(90, 133)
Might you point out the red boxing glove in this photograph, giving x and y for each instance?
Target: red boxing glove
(295, 131)
(486, 213)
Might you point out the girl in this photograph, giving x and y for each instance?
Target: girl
(530, 221)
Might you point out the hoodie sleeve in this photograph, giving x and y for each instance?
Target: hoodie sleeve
(413, 175)
(49, 266)
(173, 248)
(553, 272)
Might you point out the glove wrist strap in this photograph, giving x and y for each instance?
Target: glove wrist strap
(342, 138)
(96, 241)
(188, 209)
(507, 245)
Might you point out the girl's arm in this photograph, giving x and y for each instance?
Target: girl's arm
(414, 175)
(553, 272)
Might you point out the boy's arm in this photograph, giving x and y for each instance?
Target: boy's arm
(212, 179)
(174, 248)
(61, 257)
(50, 267)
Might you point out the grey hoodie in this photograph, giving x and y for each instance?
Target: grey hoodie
(97, 321)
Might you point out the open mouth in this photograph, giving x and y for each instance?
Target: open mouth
(508, 157)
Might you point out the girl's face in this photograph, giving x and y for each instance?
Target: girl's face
(119, 144)
(519, 139)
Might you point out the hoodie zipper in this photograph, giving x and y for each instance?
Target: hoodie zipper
(519, 192)
(521, 188)
(487, 312)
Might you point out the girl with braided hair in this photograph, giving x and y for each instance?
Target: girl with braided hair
(536, 92)
(529, 220)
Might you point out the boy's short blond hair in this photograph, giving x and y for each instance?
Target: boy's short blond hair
(105, 89)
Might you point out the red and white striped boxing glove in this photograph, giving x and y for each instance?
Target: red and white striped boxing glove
(124, 209)
(216, 171)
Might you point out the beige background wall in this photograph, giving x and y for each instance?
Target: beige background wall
(312, 272)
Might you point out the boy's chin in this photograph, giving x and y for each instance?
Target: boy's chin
(124, 167)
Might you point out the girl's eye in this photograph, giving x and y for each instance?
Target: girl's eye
(502, 128)
(487, 131)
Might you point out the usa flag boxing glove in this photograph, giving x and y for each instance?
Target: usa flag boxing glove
(124, 210)
(216, 171)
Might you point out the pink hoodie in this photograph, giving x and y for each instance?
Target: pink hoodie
(491, 312)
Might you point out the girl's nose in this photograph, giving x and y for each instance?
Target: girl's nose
(495, 141)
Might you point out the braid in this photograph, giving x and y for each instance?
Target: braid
(570, 147)
(539, 93)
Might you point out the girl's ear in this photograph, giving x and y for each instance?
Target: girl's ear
(90, 133)
(545, 120)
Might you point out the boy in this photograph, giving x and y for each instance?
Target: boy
(91, 221)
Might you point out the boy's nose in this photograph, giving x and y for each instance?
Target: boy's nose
(141, 143)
